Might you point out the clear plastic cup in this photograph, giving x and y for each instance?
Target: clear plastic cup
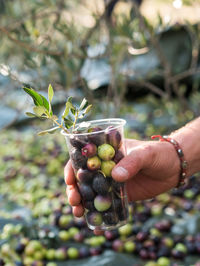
(93, 154)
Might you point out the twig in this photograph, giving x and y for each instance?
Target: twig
(41, 15)
(151, 87)
(155, 42)
(195, 46)
(27, 46)
(185, 74)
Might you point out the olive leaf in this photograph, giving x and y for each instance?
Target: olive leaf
(68, 122)
(35, 96)
(48, 131)
(38, 99)
(39, 110)
(83, 104)
(85, 111)
(88, 108)
(50, 93)
(30, 114)
(43, 109)
(45, 103)
(69, 106)
(50, 97)
(73, 111)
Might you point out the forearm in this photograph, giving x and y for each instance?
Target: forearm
(188, 138)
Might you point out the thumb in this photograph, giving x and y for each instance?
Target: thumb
(139, 158)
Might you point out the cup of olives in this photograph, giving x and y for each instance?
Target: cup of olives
(95, 149)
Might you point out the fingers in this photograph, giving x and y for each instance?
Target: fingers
(78, 211)
(98, 232)
(69, 174)
(140, 157)
(73, 195)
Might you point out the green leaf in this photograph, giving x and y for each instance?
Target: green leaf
(68, 122)
(85, 111)
(30, 114)
(45, 102)
(88, 109)
(35, 96)
(70, 99)
(48, 131)
(39, 110)
(73, 111)
(38, 99)
(66, 111)
(83, 104)
(50, 93)
(69, 102)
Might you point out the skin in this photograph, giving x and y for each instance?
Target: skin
(150, 167)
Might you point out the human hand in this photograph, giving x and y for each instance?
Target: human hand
(149, 169)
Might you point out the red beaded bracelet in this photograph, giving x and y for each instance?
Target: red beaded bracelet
(183, 162)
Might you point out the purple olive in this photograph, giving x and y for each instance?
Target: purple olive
(163, 225)
(78, 160)
(89, 205)
(77, 142)
(177, 254)
(89, 150)
(94, 163)
(101, 184)
(118, 245)
(95, 251)
(118, 156)
(86, 192)
(110, 218)
(97, 138)
(84, 175)
(84, 252)
(118, 186)
(111, 235)
(113, 137)
(142, 236)
(102, 203)
(144, 254)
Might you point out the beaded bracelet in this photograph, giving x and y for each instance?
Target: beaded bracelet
(183, 162)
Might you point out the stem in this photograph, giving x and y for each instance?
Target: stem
(76, 117)
(60, 126)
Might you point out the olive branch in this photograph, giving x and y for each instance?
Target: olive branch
(43, 110)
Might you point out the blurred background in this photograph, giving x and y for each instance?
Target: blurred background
(138, 60)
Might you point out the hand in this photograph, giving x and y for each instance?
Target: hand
(149, 169)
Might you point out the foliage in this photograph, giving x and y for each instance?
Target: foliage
(44, 110)
(50, 38)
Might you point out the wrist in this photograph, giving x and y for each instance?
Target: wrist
(188, 138)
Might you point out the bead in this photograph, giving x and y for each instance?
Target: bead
(183, 174)
(184, 164)
(180, 152)
(165, 137)
(173, 141)
(182, 183)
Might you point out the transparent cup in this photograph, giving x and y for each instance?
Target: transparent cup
(93, 154)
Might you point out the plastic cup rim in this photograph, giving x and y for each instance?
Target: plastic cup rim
(121, 121)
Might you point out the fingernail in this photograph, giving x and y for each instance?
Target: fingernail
(121, 172)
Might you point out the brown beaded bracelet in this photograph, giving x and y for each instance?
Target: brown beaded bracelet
(183, 162)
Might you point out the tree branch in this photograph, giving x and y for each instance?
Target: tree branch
(27, 46)
(151, 87)
(185, 74)
(154, 40)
